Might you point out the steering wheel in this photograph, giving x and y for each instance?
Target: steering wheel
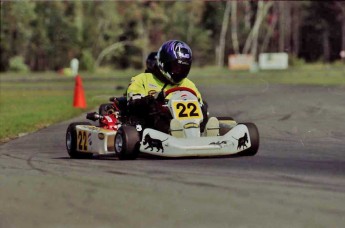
(181, 88)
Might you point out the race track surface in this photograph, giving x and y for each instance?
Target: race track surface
(297, 179)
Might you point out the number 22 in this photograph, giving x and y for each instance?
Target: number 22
(82, 141)
(188, 110)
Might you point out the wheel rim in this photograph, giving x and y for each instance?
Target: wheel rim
(69, 141)
(118, 143)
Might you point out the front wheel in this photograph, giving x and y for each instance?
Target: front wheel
(127, 142)
(71, 141)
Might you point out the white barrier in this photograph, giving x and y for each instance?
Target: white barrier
(273, 61)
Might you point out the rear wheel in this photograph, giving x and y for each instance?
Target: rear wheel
(71, 141)
(127, 142)
(254, 140)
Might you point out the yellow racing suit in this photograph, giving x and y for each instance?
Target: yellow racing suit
(147, 84)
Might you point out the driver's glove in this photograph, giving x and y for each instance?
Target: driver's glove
(160, 97)
(141, 106)
(93, 116)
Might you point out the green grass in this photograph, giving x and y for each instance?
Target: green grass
(31, 105)
(32, 101)
(313, 74)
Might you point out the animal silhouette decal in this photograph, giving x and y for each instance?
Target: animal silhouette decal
(153, 143)
(242, 142)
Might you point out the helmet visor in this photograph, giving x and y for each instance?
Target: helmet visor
(178, 71)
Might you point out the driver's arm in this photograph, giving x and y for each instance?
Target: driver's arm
(138, 101)
(136, 87)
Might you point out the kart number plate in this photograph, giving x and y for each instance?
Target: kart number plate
(82, 140)
(184, 110)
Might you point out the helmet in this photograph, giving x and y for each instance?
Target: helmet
(174, 60)
(151, 61)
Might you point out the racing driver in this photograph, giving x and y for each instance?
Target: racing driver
(151, 62)
(174, 60)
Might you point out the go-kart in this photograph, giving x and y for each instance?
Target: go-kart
(190, 133)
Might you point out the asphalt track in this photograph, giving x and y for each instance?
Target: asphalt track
(297, 179)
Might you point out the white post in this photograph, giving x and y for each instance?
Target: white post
(75, 66)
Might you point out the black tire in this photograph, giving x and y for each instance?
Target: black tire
(71, 141)
(254, 139)
(127, 143)
(223, 127)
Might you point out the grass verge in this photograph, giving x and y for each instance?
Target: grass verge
(27, 107)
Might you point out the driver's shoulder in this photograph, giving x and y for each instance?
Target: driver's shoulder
(142, 77)
(187, 83)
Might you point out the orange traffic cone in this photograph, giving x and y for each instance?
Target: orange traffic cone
(79, 96)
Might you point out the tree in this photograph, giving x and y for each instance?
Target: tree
(102, 26)
(16, 19)
(320, 31)
(221, 47)
(211, 23)
(341, 18)
(252, 39)
(50, 33)
(234, 35)
(271, 27)
(185, 22)
(296, 27)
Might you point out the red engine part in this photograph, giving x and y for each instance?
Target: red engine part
(110, 122)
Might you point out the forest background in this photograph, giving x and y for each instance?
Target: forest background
(46, 35)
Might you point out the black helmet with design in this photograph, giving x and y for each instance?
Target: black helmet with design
(174, 60)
